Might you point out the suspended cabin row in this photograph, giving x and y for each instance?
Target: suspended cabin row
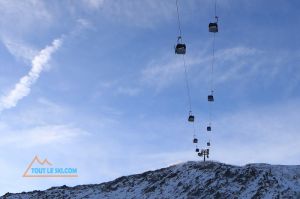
(213, 28)
(180, 47)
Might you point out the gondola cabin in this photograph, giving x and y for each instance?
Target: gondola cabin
(210, 98)
(197, 150)
(195, 140)
(191, 118)
(213, 27)
(208, 128)
(180, 49)
(208, 143)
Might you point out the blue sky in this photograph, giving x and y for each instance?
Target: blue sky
(95, 84)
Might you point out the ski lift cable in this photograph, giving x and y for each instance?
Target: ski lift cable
(212, 75)
(194, 129)
(212, 78)
(216, 9)
(188, 92)
(181, 49)
(178, 20)
(182, 45)
(213, 50)
(187, 84)
(211, 82)
(184, 62)
(212, 65)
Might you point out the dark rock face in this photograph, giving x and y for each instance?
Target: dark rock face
(188, 181)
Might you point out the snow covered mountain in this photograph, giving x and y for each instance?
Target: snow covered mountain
(188, 180)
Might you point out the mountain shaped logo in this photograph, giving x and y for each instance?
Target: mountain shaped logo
(44, 168)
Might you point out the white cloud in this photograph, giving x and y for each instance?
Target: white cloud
(144, 13)
(115, 87)
(258, 134)
(237, 64)
(148, 13)
(40, 135)
(94, 4)
(18, 17)
(19, 49)
(128, 91)
(22, 88)
(161, 74)
(43, 123)
(255, 134)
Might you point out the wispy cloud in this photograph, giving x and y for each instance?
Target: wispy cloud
(236, 64)
(130, 91)
(41, 135)
(93, 4)
(22, 16)
(160, 74)
(115, 87)
(19, 49)
(148, 13)
(22, 88)
(163, 72)
(261, 134)
(135, 13)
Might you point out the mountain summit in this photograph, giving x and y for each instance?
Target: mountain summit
(188, 180)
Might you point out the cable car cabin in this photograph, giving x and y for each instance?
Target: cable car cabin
(208, 128)
(213, 27)
(180, 49)
(200, 154)
(208, 143)
(195, 140)
(191, 118)
(197, 150)
(210, 98)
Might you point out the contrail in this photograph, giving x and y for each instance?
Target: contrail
(22, 88)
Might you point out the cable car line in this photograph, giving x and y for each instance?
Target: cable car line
(180, 49)
(187, 85)
(178, 19)
(210, 97)
(213, 28)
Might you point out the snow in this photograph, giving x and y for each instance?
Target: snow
(189, 180)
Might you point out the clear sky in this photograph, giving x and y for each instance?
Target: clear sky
(95, 84)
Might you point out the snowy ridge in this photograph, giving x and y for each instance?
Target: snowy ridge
(187, 181)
